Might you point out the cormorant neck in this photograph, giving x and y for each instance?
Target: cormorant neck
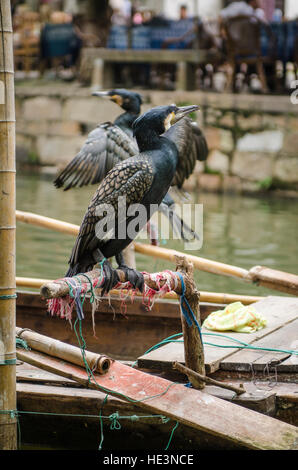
(148, 139)
(126, 119)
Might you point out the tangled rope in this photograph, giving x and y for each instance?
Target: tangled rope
(78, 290)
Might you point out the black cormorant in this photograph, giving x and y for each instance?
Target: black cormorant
(143, 179)
(110, 143)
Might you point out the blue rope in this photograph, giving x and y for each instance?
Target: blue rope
(75, 290)
(186, 308)
(6, 297)
(76, 294)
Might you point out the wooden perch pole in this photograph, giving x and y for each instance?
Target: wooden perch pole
(212, 297)
(269, 278)
(194, 354)
(8, 421)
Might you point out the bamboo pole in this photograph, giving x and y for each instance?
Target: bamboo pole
(150, 250)
(269, 278)
(96, 362)
(47, 222)
(185, 287)
(8, 428)
(211, 297)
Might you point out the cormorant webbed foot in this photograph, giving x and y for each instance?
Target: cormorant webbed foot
(133, 276)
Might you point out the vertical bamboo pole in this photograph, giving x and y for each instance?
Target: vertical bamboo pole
(8, 428)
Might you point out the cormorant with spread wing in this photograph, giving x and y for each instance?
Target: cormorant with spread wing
(143, 181)
(106, 145)
(110, 143)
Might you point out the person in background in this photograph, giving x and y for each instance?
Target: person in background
(183, 12)
(250, 8)
(121, 12)
(245, 8)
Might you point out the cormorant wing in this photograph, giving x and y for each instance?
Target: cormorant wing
(192, 146)
(131, 179)
(105, 146)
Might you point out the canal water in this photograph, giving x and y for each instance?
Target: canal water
(238, 230)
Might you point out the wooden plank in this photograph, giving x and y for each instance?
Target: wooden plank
(40, 385)
(194, 408)
(277, 310)
(28, 373)
(253, 360)
(91, 400)
(75, 424)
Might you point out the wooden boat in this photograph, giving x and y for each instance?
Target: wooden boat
(59, 409)
(71, 412)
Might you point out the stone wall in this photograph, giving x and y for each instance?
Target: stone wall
(253, 139)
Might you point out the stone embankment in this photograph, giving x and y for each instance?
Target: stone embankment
(253, 139)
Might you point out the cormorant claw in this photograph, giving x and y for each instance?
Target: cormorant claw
(110, 278)
(133, 276)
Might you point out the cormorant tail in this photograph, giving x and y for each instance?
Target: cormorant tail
(178, 225)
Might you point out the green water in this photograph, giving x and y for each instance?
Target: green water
(241, 231)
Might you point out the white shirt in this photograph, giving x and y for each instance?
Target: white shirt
(241, 8)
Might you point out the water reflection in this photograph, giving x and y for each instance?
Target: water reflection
(242, 231)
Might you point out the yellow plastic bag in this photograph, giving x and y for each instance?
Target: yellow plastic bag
(235, 317)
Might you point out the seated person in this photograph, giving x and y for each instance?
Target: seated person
(199, 34)
(243, 8)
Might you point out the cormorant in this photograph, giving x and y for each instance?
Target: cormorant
(142, 180)
(107, 145)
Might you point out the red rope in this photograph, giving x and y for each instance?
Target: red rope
(63, 306)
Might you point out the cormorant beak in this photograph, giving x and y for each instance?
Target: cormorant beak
(183, 111)
(102, 94)
(107, 94)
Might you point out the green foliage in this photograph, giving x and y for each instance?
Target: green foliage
(266, 183)
(209, 171)
(33, 158)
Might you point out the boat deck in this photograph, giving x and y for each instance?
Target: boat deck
(281, 332)
(269, 378)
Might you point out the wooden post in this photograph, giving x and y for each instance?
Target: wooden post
(193, 346)
(8, 428)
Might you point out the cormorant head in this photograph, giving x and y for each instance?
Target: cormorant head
(161, 118)
(128, 100)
